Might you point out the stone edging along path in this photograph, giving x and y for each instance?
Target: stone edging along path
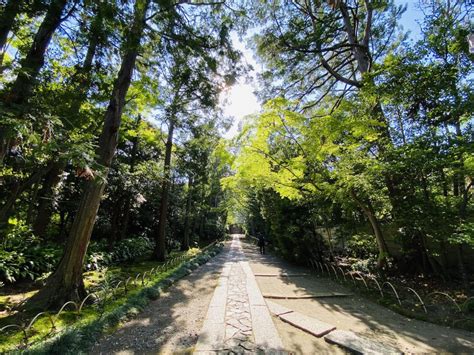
(238, 319)
(80, 338)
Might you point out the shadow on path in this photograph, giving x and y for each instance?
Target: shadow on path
(172, 322)
(352, 313)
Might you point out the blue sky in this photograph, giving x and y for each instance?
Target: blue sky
(411, 15)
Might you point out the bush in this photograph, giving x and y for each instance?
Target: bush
(24, 256)
(362, 246)
(125, 250)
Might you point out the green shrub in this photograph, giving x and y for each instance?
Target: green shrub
(125, 250)
(362, 245)
(24, 256)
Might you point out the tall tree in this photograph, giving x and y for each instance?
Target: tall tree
(7, 19)
(78, 87)
(66, 283)
(21, 89)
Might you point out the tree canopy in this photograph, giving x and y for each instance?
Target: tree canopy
(111, 130)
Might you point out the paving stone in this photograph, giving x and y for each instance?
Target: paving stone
(211, 337)
(216, 314)
(308, 324)
(265, 333)
(358, 344)
(280, 275)
(277, 309)
(243, 328)
(296, 297)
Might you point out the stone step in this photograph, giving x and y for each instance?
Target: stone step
(358, 344)
(298, 297)
(277, 309)
(308, 324)
(280, 275)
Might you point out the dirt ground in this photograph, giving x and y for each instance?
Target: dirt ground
(352, 313)
(170, 324)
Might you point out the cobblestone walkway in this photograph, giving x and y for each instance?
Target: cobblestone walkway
(238, 320)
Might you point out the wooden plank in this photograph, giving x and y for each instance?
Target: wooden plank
(358, 344)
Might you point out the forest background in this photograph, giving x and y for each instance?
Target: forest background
(111, 136)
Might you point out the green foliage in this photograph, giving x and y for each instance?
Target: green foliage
(361, 246)
(392, 153)
(125, 250)
(76, 334)
(24, 256)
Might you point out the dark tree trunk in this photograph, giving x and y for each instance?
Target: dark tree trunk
(125, 219)
(30, 66)
(16, 190)
(34, 60)
(187, 222)
(66, 283)
(32, 202)
(47, 193)
(115, 222)
(83, 76)
(128, 196)
(7, 20)
(160, 247)
(45, 208)
(374, 223)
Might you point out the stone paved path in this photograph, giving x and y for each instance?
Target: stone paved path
(238, 320)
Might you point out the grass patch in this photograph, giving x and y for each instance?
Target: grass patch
(74, 333)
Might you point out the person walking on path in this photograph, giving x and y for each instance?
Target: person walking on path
(261, 244)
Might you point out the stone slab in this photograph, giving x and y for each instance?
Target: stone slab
(264, 331)
(280, 275)
(216, 314)
(253, 291)
(219, 297)
(211, 338)
(296, 297)
(308, 324)
(277, 309)
(357, 344)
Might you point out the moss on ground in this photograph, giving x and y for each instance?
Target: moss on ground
(74, 332)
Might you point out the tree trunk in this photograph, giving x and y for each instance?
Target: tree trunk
(187, 224)
(7, 19)
(115, 222)
(83, 75)
(45, 207)
(32, 202)
(18, 188)
(128, 196)
(34, 60)
(374, 223)
(30, 66)
(47, 193)
(66, 282)
(160, 247)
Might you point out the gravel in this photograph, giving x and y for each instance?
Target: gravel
(171, 323)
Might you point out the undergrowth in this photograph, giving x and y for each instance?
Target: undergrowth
(75, 333)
